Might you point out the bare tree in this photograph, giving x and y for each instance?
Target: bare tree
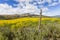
(40, 19)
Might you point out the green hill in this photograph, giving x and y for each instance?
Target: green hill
(15, 16)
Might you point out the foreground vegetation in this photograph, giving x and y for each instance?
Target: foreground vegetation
(27, 29)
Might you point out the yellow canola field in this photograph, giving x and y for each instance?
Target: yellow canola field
(27, 22)
(27, 19)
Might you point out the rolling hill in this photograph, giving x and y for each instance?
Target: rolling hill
(15, 16)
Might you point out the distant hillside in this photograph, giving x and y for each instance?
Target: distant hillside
(19, 16)
(31, 15)
(9, 16)
(57, 16)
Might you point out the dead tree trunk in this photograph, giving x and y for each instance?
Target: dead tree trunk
(40, 19)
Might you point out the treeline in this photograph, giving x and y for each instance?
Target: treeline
(15, 16)
(6, 17)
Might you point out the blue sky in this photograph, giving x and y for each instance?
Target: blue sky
(49, 7)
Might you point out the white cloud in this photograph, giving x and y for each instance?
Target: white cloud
(40, 2)
(23, 0)
(6, 9)
(53, 4)
(45, 9)
(49, 1)
(59, 1)
(29, 8)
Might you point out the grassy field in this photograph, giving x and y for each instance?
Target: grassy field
(27, 29)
